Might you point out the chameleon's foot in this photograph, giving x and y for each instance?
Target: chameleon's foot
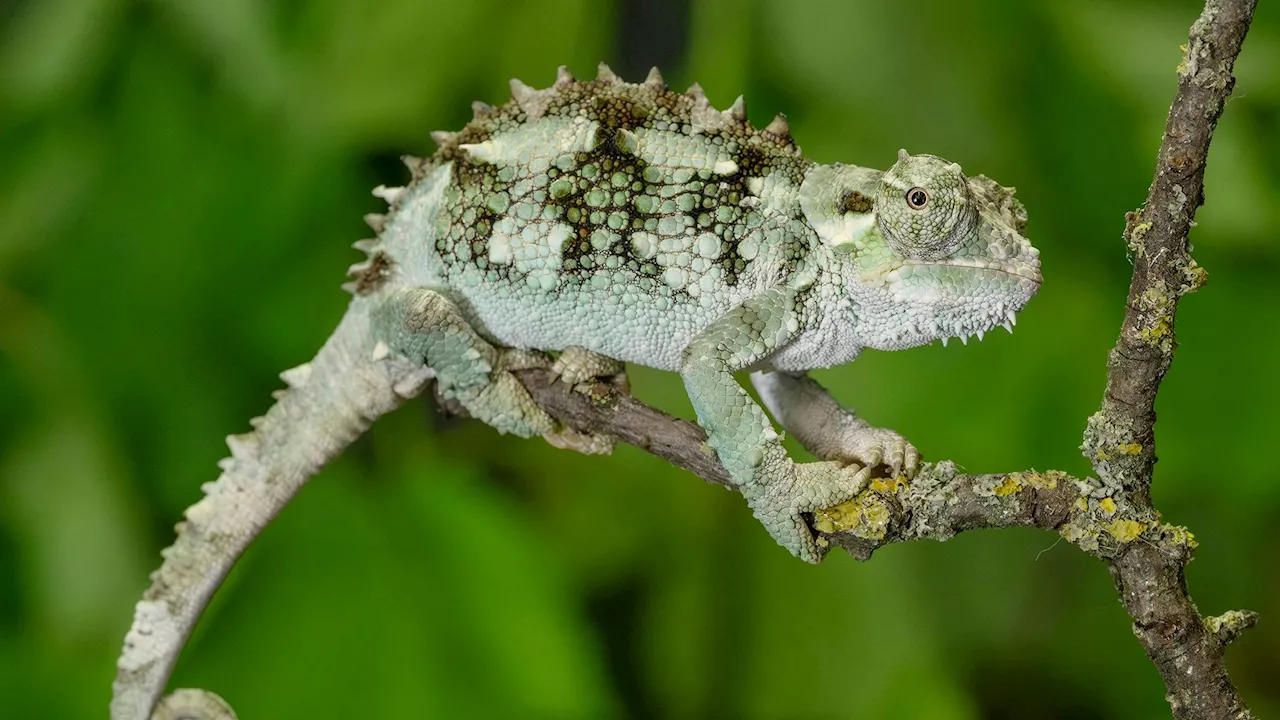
(577, 365)
(586, 443)
(812, 486)
(829, 431)
(872, 446)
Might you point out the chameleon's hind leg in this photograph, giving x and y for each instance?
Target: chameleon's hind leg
(575, 366)
(427, 327)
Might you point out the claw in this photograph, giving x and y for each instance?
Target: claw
(863, 477)
(874, 457)
(897, 456)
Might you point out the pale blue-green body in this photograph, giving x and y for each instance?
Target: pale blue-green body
(628, 223)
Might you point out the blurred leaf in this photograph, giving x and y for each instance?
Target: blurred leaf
(55, 46)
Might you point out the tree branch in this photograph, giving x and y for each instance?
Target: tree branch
(1120, 437)
(938, 503)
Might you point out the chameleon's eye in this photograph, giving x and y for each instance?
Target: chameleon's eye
(924, 209)
(917, 197)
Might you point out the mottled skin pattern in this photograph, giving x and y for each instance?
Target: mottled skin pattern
(625, 222)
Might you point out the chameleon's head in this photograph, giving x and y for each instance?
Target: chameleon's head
(929, 253)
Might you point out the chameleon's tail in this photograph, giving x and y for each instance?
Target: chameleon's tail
(330, 401)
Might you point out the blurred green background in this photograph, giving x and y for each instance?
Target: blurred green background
(180, 181)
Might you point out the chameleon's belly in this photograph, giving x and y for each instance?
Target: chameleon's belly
(618, 320)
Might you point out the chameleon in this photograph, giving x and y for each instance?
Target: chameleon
(613, 223)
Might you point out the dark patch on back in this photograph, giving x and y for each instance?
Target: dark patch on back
(619, 111)
(578, 257)
(615, 106)
(752, 163)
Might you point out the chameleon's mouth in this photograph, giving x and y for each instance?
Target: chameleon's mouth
(1031, 273)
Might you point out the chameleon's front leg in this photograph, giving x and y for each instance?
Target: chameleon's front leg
(828, 430)
(778, 490)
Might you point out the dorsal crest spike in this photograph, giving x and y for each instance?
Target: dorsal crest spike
(532, 102)
(604, 74)
(481, 109)
(903, 156)
(376, 222)
(520, 92)
(738, 110)
(483, 152)
(696, 92)
(563, 76)
(297, 377)
(654, 79)
(779, 126)
(442, 138)
(417, 166)
(389, 194)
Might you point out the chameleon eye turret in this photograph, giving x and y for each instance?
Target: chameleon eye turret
(925, 209)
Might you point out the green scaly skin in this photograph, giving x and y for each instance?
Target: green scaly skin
(626, 223)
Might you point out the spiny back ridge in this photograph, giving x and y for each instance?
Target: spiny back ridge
(618, 106)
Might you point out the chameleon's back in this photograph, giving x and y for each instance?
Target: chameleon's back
(620, 217)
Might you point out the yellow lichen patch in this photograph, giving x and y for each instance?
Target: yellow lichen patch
(1129, 449)
(1158, 330)
(865, 516)
(1135, 237)
(1108, 505)
(1047, 480)
(889, 485)
(1082, 504)
(1231, 620)
(838, 517)
(1085, 538)
(1156, 304)
(1179, 535)
(1125, 530)
(1011, 484)
(1196, 277)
